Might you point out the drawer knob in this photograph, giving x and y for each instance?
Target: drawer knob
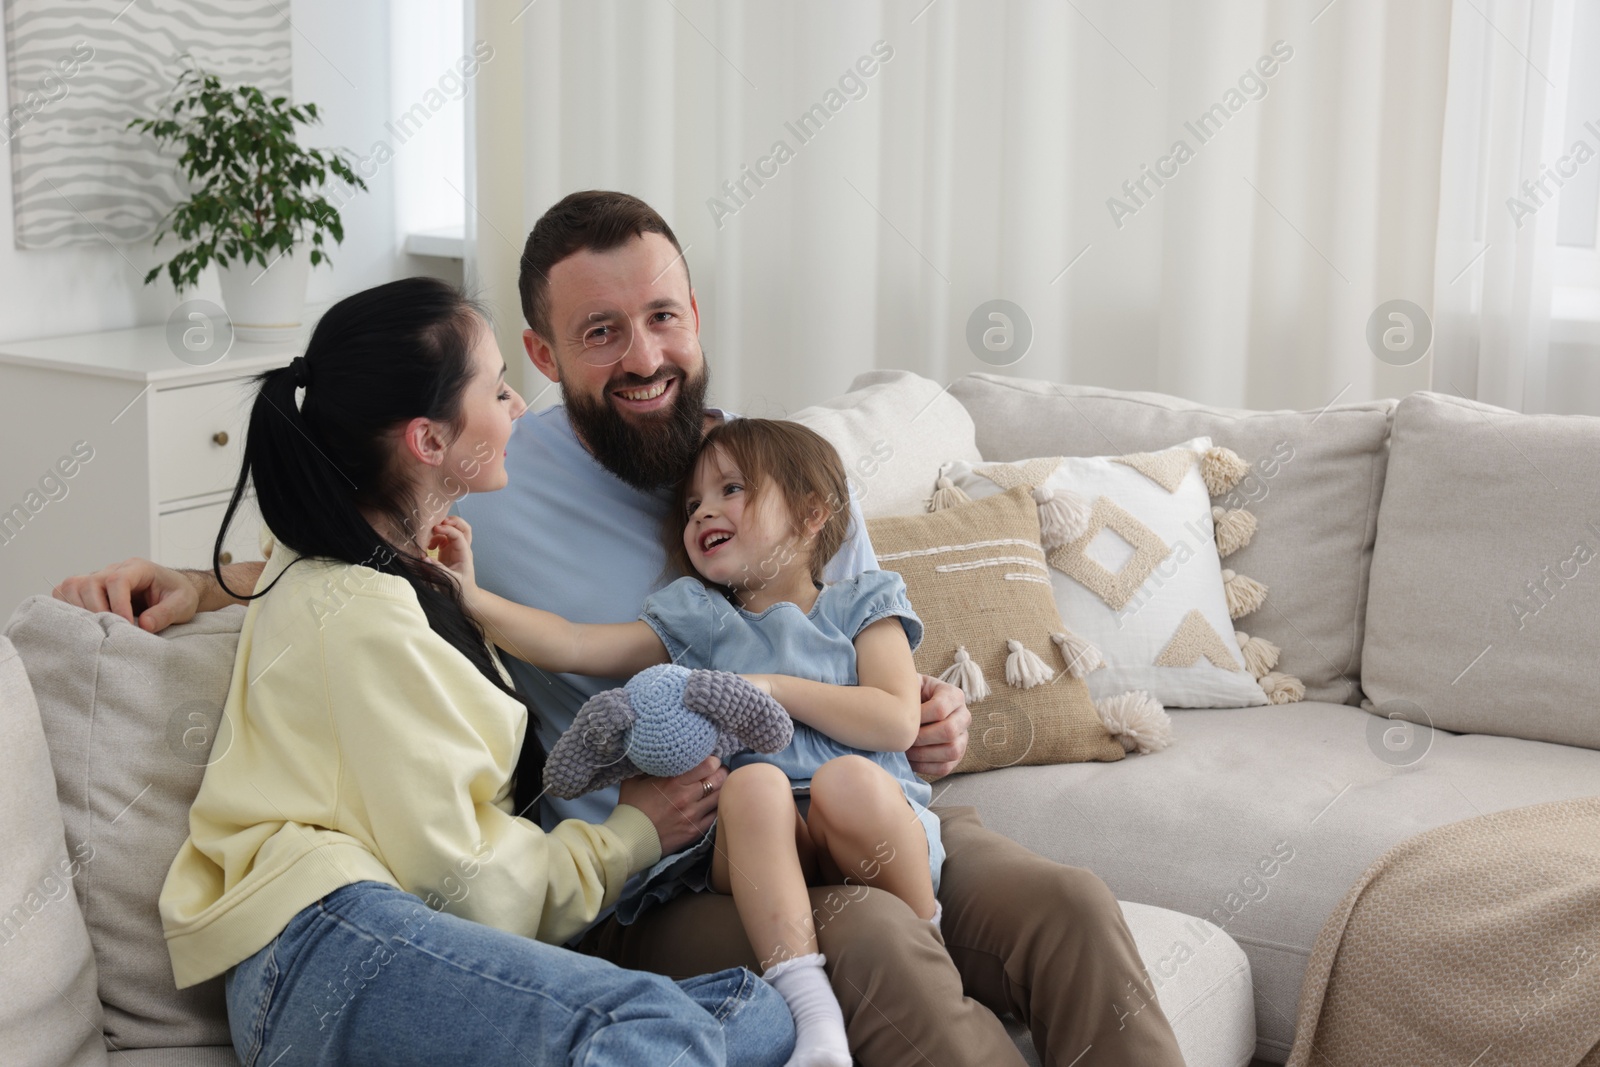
(226, 557)
(220, 438)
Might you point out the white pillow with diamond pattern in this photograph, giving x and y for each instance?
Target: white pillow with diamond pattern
(1135, 570)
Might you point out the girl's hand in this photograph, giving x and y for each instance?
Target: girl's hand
(453, 538)
(762, 682)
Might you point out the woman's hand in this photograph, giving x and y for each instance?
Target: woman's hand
(452, 536)
(681, 808)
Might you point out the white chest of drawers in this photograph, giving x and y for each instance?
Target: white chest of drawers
(114, 447)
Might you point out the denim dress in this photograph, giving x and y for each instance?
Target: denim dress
(702, 628)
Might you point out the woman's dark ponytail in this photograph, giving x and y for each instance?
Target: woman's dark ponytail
(375, 360)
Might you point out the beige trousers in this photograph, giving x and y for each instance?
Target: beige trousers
(1020, 934)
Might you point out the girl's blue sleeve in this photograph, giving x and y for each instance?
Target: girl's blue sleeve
(684, 616)
(873, 595)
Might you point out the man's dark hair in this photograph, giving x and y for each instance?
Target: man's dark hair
(595, 220)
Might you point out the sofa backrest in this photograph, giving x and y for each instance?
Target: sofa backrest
(1315, 487)
(1484, 615)
(130, 718)
(50, 1012)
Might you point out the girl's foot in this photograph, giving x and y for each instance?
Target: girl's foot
(819, 1024)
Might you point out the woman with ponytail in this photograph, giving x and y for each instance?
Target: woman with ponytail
(357, 866)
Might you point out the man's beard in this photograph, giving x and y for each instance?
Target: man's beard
(656, 450)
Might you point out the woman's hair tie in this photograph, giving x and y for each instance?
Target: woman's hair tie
(301, 371)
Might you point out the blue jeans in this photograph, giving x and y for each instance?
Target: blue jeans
(370, 975)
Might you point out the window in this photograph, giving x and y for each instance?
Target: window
(432, 68)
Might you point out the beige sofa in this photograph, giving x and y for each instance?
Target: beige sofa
(1433, 558)
(1392, 541)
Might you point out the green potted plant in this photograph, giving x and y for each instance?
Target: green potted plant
(255, 206)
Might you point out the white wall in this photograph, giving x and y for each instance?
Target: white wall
(342, 63)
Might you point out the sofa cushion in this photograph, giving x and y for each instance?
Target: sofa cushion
(130, 718)
(50, 1014)
(1315, 489)
(1259, 819)
(1137, 573)
(1485, 600)
(954, 563)
(892, 430)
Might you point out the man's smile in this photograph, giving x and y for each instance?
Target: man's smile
(643, 399)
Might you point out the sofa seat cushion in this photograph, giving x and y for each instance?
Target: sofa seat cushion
(1315, 486)
(1259, 819)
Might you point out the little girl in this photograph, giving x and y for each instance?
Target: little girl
(762, 511)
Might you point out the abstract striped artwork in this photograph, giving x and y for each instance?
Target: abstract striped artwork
(79, 70)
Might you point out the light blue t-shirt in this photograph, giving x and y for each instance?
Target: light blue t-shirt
(568, 536)
(702, 628)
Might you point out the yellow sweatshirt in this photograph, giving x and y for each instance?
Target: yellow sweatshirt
(356, 745)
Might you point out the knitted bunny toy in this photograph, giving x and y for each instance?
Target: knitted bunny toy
(663, 722)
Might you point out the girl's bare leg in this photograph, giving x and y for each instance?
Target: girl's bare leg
(864, 830)
(762, 858)
(762, 852)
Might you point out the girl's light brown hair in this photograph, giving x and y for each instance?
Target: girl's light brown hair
(774, 455)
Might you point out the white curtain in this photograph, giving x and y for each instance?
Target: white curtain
(1504, 117)
(979, 159)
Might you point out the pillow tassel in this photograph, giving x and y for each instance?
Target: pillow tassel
(1079, 655)
(1244, 594)
(1137, 720)
(1063, 516)
(1260, 655)
(1283, 688)
(947, 494)
(967, 676)
(1222, 468)
(1233, 529)
(1024, 669)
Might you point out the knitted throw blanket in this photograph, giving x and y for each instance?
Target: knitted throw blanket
(1474, 943)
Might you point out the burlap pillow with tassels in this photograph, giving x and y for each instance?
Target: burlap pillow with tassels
(978, 578)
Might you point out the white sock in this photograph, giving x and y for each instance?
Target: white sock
(819, 1024)
(938, 915)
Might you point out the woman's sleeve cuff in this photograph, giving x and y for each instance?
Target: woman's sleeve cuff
(637, 834)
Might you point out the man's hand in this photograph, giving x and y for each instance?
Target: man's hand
(159, 596)
(681, 808)
(942, 739)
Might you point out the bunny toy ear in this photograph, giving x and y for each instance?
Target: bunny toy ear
(737, 708)
(592, 754)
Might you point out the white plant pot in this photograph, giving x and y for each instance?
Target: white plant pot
(267, 305)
